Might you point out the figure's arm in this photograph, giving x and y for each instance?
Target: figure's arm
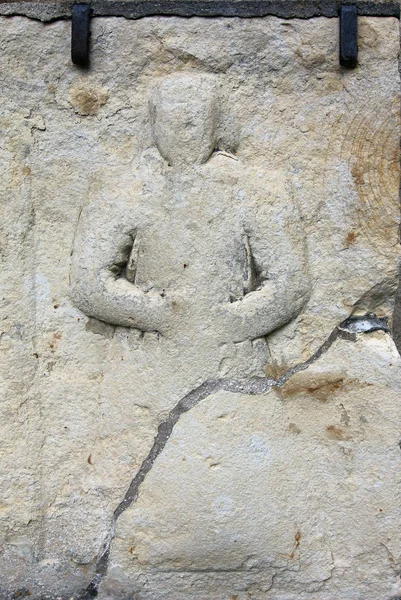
(278, 283)
(100, 284)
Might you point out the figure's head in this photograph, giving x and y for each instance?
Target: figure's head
(183, 110)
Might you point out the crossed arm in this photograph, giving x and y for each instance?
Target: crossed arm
(277, 266)
(277, 255)
(99, 285)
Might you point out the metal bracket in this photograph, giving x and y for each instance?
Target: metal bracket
(80, 32)
(348, 35)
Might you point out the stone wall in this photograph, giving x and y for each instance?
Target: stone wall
(200, 391)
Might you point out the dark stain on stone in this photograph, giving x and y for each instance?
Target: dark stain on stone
(87, 101)
(350, 239)
(21, 593)
(320, 386)
(298, 536)
(335, 432)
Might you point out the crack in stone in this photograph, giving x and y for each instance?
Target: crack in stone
(251, 386)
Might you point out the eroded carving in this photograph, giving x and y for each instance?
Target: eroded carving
(236, 488)
(197, 239)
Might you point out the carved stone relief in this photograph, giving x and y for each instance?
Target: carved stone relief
(200, 244)
(180, 248)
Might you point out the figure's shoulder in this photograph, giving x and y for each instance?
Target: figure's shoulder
(268, 190)
(118, 191)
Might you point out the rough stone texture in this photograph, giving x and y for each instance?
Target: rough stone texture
(45, 10)
(184, 227)
(291, 492)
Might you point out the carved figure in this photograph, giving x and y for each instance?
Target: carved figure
(195, 244)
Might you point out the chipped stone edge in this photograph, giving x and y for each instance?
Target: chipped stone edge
(348, 329)
(136, 9)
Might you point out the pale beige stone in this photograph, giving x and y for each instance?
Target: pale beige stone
(310, 151)
(291, 492)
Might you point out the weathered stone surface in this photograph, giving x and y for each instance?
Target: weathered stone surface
(195, 215)
(290, 492)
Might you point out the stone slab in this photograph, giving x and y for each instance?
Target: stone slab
(203, 207)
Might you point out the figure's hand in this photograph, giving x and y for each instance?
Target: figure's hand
(120, 302)
(255, 315)
(163, 309)
(228, 321)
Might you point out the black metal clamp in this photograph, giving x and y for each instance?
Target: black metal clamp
(348, 35)
(80, 32)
